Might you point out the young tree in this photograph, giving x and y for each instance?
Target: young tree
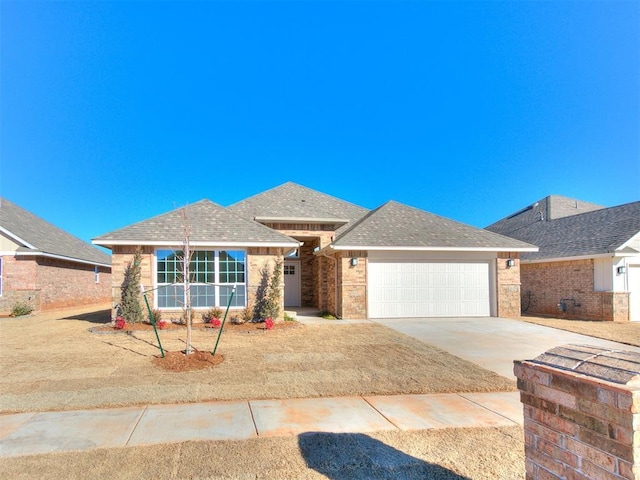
(130, 306)
(186, 277)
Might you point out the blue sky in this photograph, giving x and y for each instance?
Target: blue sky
(112, 112)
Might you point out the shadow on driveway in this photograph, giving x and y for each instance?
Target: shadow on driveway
(356, 456)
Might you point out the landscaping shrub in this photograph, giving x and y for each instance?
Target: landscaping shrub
(21, 308)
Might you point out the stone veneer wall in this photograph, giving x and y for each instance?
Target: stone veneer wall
(581, 414)
(353, 285)
(508, 286)
(544, 285)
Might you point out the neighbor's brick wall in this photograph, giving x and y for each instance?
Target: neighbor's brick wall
(578, 426)
(48, 283)
(352, 303)
(544, 285)
(508, 286)
(19, 282)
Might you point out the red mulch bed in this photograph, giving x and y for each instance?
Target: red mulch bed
(179, 362)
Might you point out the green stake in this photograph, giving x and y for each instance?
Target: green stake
(153, 322)
(223, 320)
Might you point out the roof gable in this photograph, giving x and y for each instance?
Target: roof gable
(36, 235)
(208, 223)
(291, 201)
(597, 232)
(394, 225)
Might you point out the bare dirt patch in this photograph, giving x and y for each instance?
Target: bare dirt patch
(622, 332)
(180, 362)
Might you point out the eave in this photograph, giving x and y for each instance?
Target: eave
(427, 249)
(295, 220)
(110, 243)
(38, 253)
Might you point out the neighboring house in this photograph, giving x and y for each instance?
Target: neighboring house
(46, 267)
(394, 261)
(588, 265)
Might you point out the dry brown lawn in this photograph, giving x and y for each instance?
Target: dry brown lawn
(53, 362)
(450, 454)
(623, 332)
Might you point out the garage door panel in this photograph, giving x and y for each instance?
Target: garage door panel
(428, 289)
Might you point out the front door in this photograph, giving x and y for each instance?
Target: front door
(291, 284)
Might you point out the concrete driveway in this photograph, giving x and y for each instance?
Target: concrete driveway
(493, 343)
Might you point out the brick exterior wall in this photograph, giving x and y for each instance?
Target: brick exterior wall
(48, 283)
(259, 261)
(352, 281)
(256, 260)
(544, 285)
(581, 414)
(508, 286)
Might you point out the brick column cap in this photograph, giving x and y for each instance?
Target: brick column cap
(615, 366)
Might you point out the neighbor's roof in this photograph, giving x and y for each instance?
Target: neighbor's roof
(397, 226)
(209, 224)
(293, 203)
(39, 237)
(551, 207)
(597, 232)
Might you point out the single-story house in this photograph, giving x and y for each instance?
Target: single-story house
(588, 264)
(393, 261)
(46, 267)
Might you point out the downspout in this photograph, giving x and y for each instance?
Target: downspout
(335, 281)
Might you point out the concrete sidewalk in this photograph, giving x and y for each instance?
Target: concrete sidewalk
(50, 432)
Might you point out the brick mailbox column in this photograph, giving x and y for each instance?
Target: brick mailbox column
(581, 413)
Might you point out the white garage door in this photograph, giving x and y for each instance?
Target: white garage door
(428, 289)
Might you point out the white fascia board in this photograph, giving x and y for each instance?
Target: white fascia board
(16, 238)
(436, 249)
(60, 257)
(568, 259)
(299, 220)
(629, 242)
(107, 243)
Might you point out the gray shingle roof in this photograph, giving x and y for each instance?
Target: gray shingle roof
(39, 236)
(551, 207)
(596, 232)
(291, 200)
(209, 222)
(396, 225)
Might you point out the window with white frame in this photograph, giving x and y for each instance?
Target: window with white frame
(96, 274)
(213, 274)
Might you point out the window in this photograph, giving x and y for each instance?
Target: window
(96, 274)
(213, 275)
(0, 276)
(289, 269)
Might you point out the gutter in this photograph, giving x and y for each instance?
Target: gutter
(60, 257)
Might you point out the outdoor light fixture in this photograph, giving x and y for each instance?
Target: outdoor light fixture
(354, 261)
(622, 270)
(511, 263)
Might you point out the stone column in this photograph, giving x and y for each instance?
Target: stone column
(581, 413)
